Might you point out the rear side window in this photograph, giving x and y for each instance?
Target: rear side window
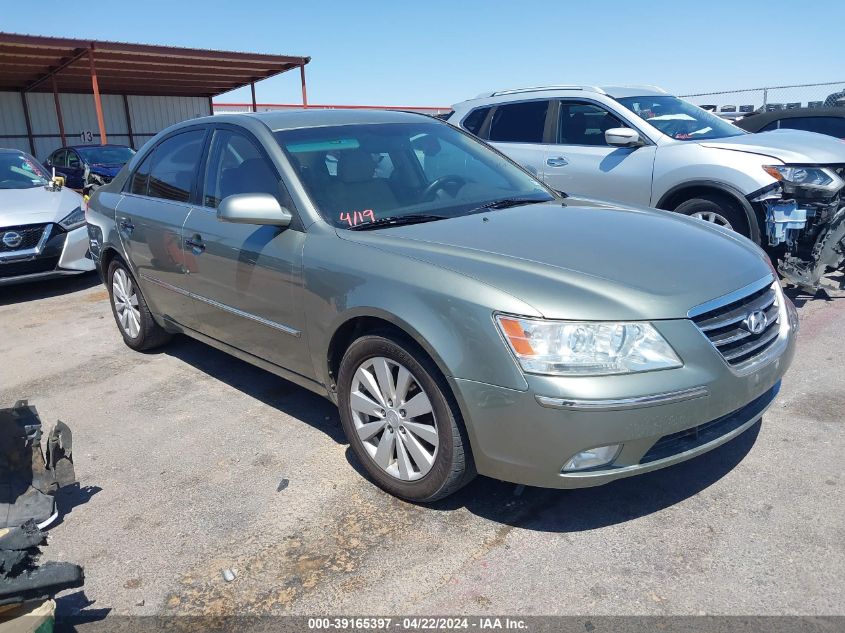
(474, 120)
(141, 177)
(519, 122)
(59, 159)
(174, 166)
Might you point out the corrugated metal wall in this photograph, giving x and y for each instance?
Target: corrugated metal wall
(149, 115)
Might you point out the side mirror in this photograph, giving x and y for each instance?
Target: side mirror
(253, 208)
(622, 137)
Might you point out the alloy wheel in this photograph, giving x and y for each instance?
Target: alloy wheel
(125, 299)
(712, 216)
(394, 418)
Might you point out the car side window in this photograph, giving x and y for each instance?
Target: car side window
(522, 122)
(58, 158)
(174, 166)
(474, 120)
(584, 124)
(72, 160)
(141, 177)
(236, 166)
(774, 125)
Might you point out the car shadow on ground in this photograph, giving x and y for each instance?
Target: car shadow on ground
(800, 297)
(547, 510)
(257, 383)
(31, 291)
(528, 508)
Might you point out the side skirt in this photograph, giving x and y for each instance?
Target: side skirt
(298, 379)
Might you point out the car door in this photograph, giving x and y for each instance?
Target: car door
(580, 161)
(519, 130)
(245, 280)
(58, 161)
(75, 170)
(150, 217)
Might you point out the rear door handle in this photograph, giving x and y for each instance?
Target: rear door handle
(196, 244)
(557, 161)
(126, 226)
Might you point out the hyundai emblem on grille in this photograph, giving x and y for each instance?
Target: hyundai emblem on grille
(756, 322)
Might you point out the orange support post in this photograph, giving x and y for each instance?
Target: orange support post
(98, 104)
(304, 91)
(59, 111)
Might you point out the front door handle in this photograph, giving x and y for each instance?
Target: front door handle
(126, 226)
(557, 161)
(196, 244)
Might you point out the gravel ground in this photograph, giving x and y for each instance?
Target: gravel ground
(181, 455)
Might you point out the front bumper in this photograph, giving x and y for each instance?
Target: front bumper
(516, 438)
(57, 254)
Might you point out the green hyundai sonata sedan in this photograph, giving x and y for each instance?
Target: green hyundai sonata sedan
(463, 317)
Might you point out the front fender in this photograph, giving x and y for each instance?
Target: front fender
(448, 314)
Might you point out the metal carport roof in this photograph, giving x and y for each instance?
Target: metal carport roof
(35, 63)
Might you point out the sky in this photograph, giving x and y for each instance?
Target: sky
(436, 53)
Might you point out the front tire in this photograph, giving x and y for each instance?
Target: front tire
(401, 420)
(131, 313)
(718, 209)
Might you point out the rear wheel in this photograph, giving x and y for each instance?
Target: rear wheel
(400, 420)
(717, 209)
(133, 317)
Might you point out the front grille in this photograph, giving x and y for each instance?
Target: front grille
(728, 330)
(28, 267)
(688, 439)
(30, 235)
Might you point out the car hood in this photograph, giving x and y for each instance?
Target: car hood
(106, 170)
(793, 147)
(585, 259)
(36, 205)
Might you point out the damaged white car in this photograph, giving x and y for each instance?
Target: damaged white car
(42, 224)
(642, 146)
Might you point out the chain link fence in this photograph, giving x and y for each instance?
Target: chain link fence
(738, 102)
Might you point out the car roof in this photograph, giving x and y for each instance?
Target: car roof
(756, 120)
(616, 92)
(317, 117)
(91, 145)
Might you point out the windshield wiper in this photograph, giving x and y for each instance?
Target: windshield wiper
(506, 203)
(397, 220)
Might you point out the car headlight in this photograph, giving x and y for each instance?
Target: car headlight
(812, 177)
(569, 348)
(73, 220)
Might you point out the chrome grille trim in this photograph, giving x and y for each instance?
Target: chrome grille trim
(722, 322)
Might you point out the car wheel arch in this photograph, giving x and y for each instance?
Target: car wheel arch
(363, 322)
(680, 193)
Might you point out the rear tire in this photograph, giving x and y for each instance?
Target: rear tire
(131, 313)
(401, 419)
(718, 209)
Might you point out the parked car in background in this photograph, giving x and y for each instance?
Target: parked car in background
(830, 121)
(86, 167)
(464, 317)
(640, 145)
(42, 225)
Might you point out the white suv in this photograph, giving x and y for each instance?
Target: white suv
(640, 145)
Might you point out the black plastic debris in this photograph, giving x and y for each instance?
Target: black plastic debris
(21, 578)
(28, 479)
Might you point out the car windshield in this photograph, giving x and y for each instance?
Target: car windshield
(106, 155)
(680, 119)
(418, 171)
(21, 171)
